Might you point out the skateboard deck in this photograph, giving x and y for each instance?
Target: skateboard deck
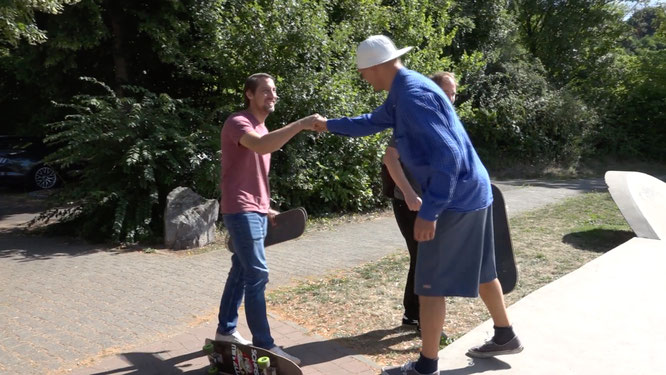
(288, 225)
(236, 359)
(504, 260)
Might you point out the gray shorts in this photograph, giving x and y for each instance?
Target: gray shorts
(459, 258)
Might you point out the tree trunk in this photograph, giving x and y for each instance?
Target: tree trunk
(118, 36)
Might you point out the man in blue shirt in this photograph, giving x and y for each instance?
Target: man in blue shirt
(454, 223)
(406, 201)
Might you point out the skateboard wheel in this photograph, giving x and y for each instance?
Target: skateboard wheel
(208, 348)
(444, 340)
(264, 362)
(213, 370)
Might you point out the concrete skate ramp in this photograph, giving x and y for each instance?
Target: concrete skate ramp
(642, 200)
(607, 318)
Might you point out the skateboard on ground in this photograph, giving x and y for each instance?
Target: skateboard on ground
(288, 225)
(236, 359)
(504, 260)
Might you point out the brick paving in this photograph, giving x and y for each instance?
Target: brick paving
(183, 355)
(71, 307)
(65, 304)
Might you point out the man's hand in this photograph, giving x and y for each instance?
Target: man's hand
(308, 123)
(271, 215)
(413, 201)
(320, 124)
(424, 230)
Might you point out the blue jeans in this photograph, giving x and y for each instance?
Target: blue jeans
(248, 276)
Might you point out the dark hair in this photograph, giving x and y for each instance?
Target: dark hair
(251, 84)
(440, 77)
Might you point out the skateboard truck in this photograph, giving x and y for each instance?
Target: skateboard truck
(215, 359)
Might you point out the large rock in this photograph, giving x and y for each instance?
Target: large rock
(189, 219)
(642, 200)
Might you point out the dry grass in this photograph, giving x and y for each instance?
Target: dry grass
(361, 308)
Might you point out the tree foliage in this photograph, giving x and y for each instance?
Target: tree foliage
(517, 115)
(636, 100)
(17, 21)
(549, 82)
(569, 37)
(129, 153)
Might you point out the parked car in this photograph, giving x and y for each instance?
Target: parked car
(22, 162)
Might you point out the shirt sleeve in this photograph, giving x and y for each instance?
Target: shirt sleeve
(238, 127)
(370, 123)
(440, 152)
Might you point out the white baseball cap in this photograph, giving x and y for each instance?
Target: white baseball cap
(377, 49)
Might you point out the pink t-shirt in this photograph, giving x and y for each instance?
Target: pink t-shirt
(244, 173)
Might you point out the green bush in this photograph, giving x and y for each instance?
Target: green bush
(635, 101)
(513, 114)
(128, 154)
(328, 173)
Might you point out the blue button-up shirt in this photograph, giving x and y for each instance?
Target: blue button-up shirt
(432, 144)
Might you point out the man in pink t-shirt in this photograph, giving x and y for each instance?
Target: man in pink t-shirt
(246, 147)
(247, 191)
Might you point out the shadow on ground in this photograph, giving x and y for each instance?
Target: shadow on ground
(312, 353)
(154, 364)
(478, 366)
(383, 340)
(33, 248)
(24, 244)
(598, 240)
(14, 201)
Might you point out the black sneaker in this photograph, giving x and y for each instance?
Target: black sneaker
(490, 349)
(409, 322)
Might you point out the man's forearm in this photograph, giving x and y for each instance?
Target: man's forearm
(274, 140)
(392, 162)
(354, 127)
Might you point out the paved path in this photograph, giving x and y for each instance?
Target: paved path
(606, 317)
(65, 303)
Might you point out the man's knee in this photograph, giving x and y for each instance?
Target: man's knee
(492, 284)
(256, 280)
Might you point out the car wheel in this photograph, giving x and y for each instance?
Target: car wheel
(44, 177)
